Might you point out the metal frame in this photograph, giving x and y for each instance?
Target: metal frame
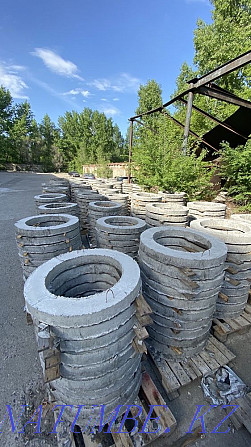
(204, 86)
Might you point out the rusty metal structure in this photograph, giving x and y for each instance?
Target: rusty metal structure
(237, 127)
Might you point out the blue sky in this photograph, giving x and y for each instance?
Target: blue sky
(66, 55)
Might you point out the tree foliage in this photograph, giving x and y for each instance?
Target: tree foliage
(86, 137)
(236, 170)
(157, 155)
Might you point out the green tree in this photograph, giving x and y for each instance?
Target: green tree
(228, 36)
(6, 116)
(236, 171)
(50, 152)
(19, 133)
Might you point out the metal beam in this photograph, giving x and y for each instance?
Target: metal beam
(130, 151)
(223, 95)
(224, 69)
(190, 131)
(188, 120)
(147, 127)
(159, 109)
(216, 120)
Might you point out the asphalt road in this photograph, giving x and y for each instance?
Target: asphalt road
(21, 381)
(20, 374)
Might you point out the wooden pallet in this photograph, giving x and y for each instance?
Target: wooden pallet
(223, 329)
(242, 416)
(148, 395)
(175, 374)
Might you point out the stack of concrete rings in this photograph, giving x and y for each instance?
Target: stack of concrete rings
(123, 199)
(235, 289)
(200, 210)
(42, 199)
(97, 210)
(78, 187)
(56, 189)
(120, 233)
(140, 200)
(158, 214)
(83, 200)
(177, 197)
(182, 271)
(59, 208)
(87, 298)
(40, 238)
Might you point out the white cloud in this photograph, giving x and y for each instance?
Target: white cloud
(122, 83)
(53, 92)
(104, 99)
(101, 84)
(126, 82)
(10, 79)
(109, 110)
(56, 63)
(115, 99)
(78, 91)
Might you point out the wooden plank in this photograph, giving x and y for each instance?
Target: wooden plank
(139, 345)
(122, 440)
(201, 365)
(223, 297)
(234, 325)
(179, 372)
(248, 308)
(143, 307)
(218, 333)
(247, 317)
(154, 398)
(168, 378)
(241, 321)
(145, 437)
(144, 320)
(210, 361)
(51, 358)
(244, 412)
(219, 357)
(224, 328)
(140, 332)
(222, 348)
(51, 374)
(189, 370)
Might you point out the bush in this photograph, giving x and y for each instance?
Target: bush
(104, 172)
(177, 172)
(236, 171)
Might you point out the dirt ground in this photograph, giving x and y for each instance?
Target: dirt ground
(21, 379)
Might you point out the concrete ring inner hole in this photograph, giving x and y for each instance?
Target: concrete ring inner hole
(184, 242)
(83, 279)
